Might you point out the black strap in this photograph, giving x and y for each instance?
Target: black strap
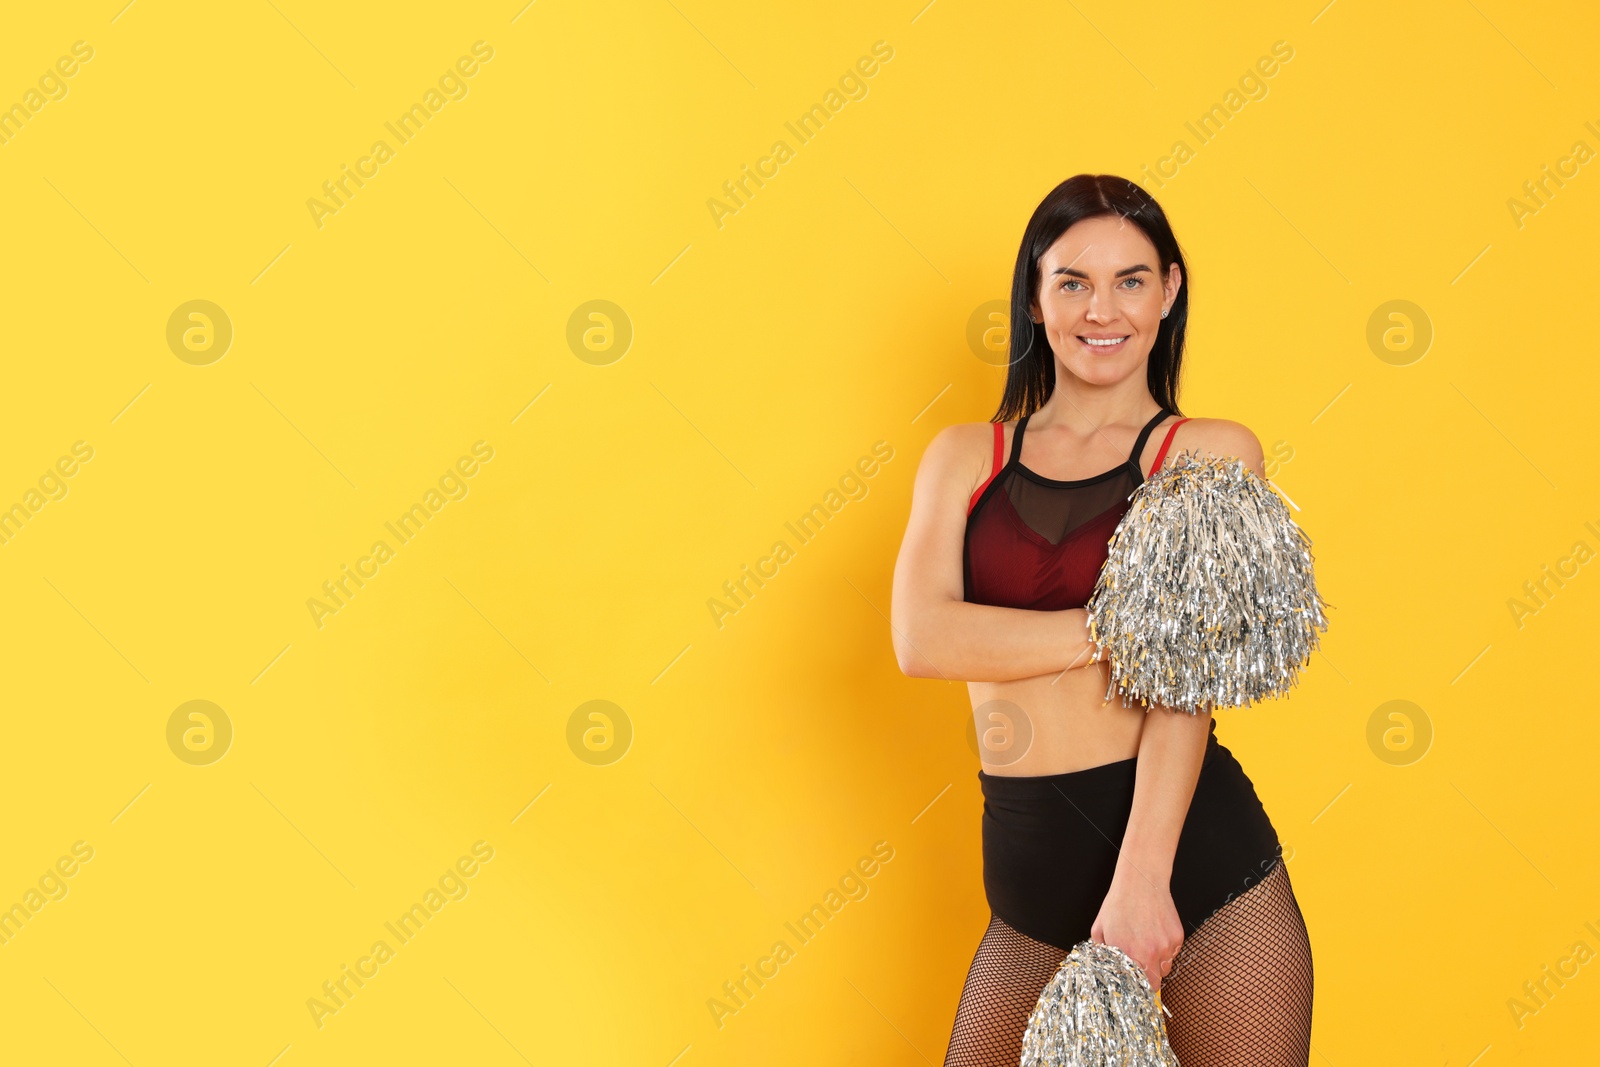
(1144, 435)
(1016, 438)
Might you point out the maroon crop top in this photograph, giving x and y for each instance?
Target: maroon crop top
(1039, 543)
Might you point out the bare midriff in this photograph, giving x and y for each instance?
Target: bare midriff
(1059, 722)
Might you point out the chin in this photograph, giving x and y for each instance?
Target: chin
(1103, 371)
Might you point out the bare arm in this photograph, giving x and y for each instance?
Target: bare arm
(1138, 915)
(1171, 747)
(937, 634)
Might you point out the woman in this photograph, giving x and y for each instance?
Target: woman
(1132, 827)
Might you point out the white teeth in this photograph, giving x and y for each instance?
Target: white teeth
(1103, 342)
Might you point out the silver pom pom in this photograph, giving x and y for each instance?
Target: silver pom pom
(1208, 598)
(1097, 1011)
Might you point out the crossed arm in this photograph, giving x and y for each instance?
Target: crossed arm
(936, 634)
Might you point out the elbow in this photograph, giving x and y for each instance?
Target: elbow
(905, 655)
(914, 666)
(912, 663)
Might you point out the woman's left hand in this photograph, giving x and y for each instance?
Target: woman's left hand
(1138, 917)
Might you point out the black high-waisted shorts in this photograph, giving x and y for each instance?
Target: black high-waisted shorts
(1050, 844)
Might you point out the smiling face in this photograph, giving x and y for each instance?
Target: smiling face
(1101, 296)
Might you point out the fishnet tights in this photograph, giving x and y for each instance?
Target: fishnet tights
(1239, 990)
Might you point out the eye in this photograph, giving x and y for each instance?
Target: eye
(1137, 281)
(1070, 281)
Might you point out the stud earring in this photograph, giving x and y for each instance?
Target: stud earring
(1164, 313)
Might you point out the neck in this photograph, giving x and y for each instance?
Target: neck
(1085, 408)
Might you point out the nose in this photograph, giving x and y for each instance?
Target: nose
(1101, 306)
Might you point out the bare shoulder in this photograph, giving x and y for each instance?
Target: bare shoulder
(961, 453)
(1221, 437)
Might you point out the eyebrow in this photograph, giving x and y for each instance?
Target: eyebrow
(1125, 271)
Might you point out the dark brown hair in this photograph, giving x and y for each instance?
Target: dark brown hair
(1031, 375)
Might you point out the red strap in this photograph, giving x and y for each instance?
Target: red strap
(1163, 453)
(999, 439)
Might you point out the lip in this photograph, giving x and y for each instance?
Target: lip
(1104, 349)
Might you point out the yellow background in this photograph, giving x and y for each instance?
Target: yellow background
(768, 355)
